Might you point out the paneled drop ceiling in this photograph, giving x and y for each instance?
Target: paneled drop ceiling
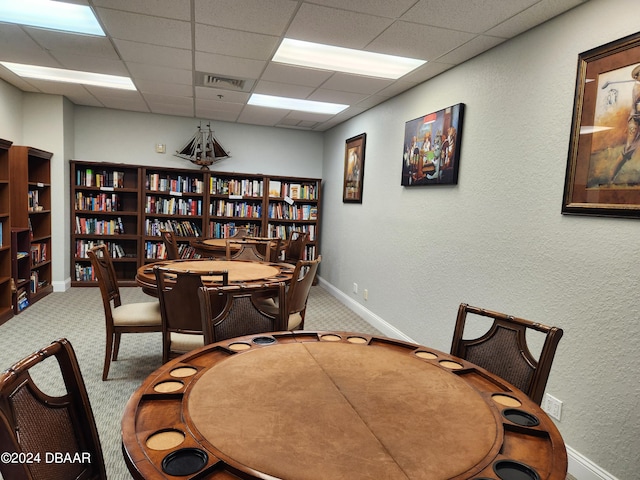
(203, 58)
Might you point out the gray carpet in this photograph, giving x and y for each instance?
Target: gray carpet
(77, 314)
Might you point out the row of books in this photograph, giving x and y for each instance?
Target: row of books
(101, 202)
(85, 273)
(226, 230)
(158, 251)
(33, 199)
(179, 184)
(103, 178)
(183, 228)
(97, 226)
(245, 188)
(284, 231)
(35, 283)
(295, 191)
(223, 208)
(284, 211)
(83, 246)
(173, 206)
(38, 253)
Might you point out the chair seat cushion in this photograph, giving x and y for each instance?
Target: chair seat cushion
(270, 306)
(143, 313)
(185, 342)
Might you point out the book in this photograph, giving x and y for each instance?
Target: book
(274, 188)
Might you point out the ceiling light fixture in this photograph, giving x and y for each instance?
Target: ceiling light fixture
(339, 59)
(67, 17)
(70, 76)
(286, 103)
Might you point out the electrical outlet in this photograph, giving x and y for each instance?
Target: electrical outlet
(365, 294)
(552, 406)
(355, 287)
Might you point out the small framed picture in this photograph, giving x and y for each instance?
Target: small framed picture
(603, 165)
(431, 154)
(354, 169)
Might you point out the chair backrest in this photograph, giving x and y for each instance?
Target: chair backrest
(35, 423)
(243, 232)
(300, 285)
(503, 349)
(106, 275)
(269, 247)
(248, 249)
(295, 247)
(179, 305)
(228, 312)
(171, 244)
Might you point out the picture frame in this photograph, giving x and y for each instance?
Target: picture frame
(603, 163)
(431, 153)
(354, 154)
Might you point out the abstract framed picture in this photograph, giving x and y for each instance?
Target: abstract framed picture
(354, 169)
(431, 154)
(603, 165)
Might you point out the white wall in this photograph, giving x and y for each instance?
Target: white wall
(10, 113)
(498, 239)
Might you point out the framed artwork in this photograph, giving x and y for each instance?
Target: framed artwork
(603, 166)
(431, 154)
(354, 169)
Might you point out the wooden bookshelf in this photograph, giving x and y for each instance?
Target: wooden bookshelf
(105, 202)
(21, 268)
(6, 303)
(30, 177)
(191, 203)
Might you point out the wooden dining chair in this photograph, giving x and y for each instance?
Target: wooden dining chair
(142, 317)
(297, 294)
(269, 247)
(171, 244)
(227, 312)
(503, 349)
(294, 249)
(180, 308)
(36, 423)
(248, 249)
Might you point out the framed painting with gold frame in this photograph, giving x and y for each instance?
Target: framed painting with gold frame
(603, 165)
(354, 169)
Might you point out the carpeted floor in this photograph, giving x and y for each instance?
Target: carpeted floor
(77, 314)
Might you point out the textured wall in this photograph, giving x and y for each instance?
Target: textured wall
(498, 239)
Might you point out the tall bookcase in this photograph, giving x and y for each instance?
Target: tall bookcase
(105, 199)
(6, 308)
(191, 203)
(30, 177)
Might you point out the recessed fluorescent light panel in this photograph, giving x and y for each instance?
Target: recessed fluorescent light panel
(339, 59)
(70, 76)
(295, 104)
(66, 17)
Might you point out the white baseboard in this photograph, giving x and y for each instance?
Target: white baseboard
(579, 466)
(61, 286)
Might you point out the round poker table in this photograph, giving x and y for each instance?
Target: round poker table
(334, 405)
(241, 272)
(213, 247)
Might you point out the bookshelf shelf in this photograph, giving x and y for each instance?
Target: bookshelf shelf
(191, 203)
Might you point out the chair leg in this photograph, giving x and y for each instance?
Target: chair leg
(107, 356)
(116, 347)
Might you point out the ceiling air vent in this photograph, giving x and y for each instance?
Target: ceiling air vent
(212, 80)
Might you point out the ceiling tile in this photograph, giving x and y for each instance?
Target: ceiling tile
(86, 63)
(282, 89)
(234, 42)
(332, 26)
(418, 41)
(154, 54)
(261, 115)
(18, 47)
(259, 16)
(474, 16)
(178, 110)
(470, 49)
(146, 29)
(382, 8)
(229, 66)
(177, 9)
(334, 96)
(207, 93)
(159, 88)
(160, 74)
